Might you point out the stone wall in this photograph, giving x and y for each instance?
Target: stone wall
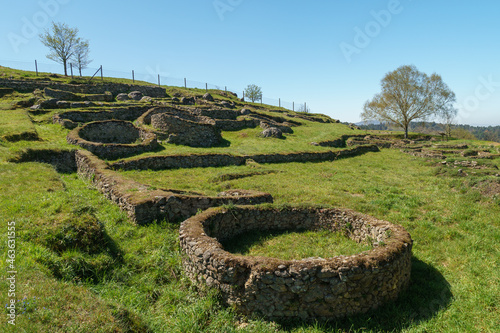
(71, 119)
(94, 88)
(340, 142)
(186, 132)
(283, 127)
(5, 91)
(144, 205)
(110, 132)
(113, 139)
(274, 119)
(217, 113)
(219, 160)
(225, 120)
(236, 125)
(146, 117)
(313, 288)
(69, 96)
(320, 119)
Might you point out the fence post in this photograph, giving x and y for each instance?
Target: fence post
(102, 76)
(158, 80)
(36, 68)
(305, 107)
(185, 84)
(279, 102)
(71, 69)
(225, 88)
(206, 87)
(133, 77)
(243, 96)
(293, 106)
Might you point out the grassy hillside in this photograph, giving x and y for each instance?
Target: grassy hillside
(82, 266)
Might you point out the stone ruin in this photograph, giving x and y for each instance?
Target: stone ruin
(113, 138)
(277, 289)
(200, 127)
(186, 132)
(312, 288)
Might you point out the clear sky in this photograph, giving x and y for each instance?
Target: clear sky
(331, 54)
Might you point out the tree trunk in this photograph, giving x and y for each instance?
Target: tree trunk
(406, 132)
(80, 70)
(65, 68)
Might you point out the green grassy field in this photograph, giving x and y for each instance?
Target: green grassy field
(247, 142)
(84, 267)
(15, 124)
(288, 245)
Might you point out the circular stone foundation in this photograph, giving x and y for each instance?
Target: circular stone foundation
(313, 288)
(113, 138)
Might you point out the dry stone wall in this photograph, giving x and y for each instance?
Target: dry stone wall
(98, 88)
(340, 142)
(313, 288)
(144, 205)
(113, 139)
(71, 119)
(69, 96)
(186, 132)
(217, 113)
(215, 160)
(180, 112)
(236, 125)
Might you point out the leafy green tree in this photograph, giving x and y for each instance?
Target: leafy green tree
(80, 58)
(408, 94)
(462, 133)
(253, 92)
(62, 41)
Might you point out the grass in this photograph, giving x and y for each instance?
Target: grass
(289, 245)
(83, 267)
(455, 280)
(15, 74)
(247, 142)
(15, 124)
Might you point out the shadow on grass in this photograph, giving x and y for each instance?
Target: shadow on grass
(428, 293)
(81, 254)
(224, 143)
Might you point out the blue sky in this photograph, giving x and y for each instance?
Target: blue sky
(330, 54)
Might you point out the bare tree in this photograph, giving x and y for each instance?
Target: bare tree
(304, 108)
(253, 92)
(62, 41)
(80, 58)
(448, 116)
(408, 94)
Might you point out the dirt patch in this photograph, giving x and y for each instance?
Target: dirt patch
(489, 188)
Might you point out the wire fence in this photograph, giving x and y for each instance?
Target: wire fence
(153, 76)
